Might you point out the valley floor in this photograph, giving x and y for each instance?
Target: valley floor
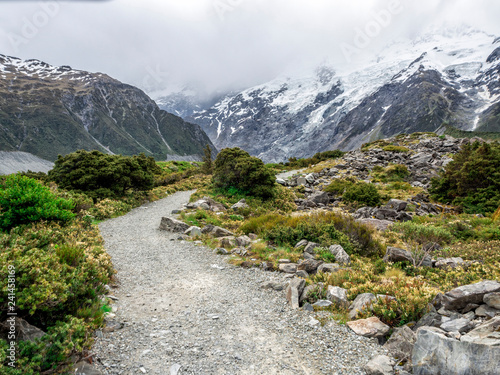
(182, 305)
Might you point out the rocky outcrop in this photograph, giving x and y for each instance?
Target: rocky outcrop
(435, 353)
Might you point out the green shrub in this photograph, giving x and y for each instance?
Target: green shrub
(392, 173)
(324, 228)
(363, 193)
(24, 200)
(104, 176)
(472, 180)
(236, 171)
(422, 234)
(394, 148)
(339, 186)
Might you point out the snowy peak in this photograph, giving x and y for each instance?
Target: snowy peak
(450, 75)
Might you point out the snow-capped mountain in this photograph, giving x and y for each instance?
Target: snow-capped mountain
(447, 76)
(48, 110)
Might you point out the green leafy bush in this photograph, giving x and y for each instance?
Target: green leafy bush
(472, 180)
(235, 170)
(104, 176)
(422, 234)
(361, 193)
(324, 228)
(24, 200)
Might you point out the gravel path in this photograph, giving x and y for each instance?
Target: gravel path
(181, 305)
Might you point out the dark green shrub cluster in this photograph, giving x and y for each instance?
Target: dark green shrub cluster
(24, 200)
(361, 193)
(236, 171)
(104, 176)
(324, 228)
(472, 180)
(317, 158)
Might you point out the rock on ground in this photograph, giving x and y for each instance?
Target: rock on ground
(181, 304)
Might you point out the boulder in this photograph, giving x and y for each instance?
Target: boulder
(328, 267)
(396, 204)
(193, 232)
(487, 333)
(380, 225)
(310, 178)
(337, 295)
(401, 343)
(320, 197)
(227, 242)
(371, 327)
(301, 243)
(199, 204)
(24, 330)
(281, 182)
(457, 325)
(460, 297)
(310, 247)
(492, 300)
(361, 302)
(288, 267)
(274, 285)
(294, 290)
(341, 256)
(173, 225)
(431, 319)
(386, 214)
(220, 232)
(323, 303)
(380, 365)
(306, 291)
(243, 241)
(241, 204)
(394, 254)
(309, 265)
(487, 311)
(449, 263)
(434, 353)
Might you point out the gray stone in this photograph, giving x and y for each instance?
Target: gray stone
(227, 242)
(308, 307)
(457, 325)
(309, 265)
(487, 333)
(220, 232)
(361, 302)
(193, 232)
(243, 241)
(487, 311)
(24, 330)
(288, 267)
(401, 343)
(386, 214)
(449, 263)
(396, 204)
(320, 197)
(301, 181)
(431, 319)
(310, 178)
(328, 267)
(301, 243)
(380, 225)
(371, 327)
(394, 254)
(460, 297)
(306, 291)
(294, 290)
(310, 247)
(241, 204)
(173, 225)
(341, 256)
(281, 182)
(380, 365)
(492, 300)
(301, 273)
(434, 353)
(323, 303)
(337, 295)
(221, 251)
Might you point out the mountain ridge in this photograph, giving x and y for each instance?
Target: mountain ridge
(48, 110)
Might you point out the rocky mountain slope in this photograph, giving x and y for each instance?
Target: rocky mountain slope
(48, 110)
(443, 77)
(16, 161)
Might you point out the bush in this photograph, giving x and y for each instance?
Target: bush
(236, 171)
(472, 180)
(422, 234)
(394, 148)
(361, 193)
(325, 228)
(24, 200)
(392, 173)
(104, 176)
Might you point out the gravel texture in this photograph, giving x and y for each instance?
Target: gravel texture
(184, 310)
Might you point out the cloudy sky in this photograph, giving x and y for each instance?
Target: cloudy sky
(219, 44)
